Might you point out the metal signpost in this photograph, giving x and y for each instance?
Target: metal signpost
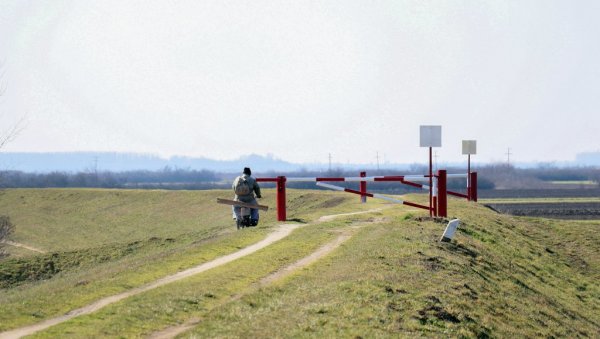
(469, 147)
(430, 136)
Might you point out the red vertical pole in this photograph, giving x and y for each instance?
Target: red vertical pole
(430, 184)
(363, 188)
(442, 199)
(469, 177)
(281, 214)
(474, 186)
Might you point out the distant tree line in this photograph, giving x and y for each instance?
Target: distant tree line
(165, 178)
(494, 176)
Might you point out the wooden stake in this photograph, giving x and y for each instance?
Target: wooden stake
(242, 204)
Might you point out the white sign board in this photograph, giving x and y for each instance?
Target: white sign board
(431, 136)
(450, 229)
(469, 147)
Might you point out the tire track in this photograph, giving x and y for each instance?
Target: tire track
(282, 231)
(27, 247)
(329, 247)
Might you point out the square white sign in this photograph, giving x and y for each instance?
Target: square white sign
(431, 136)
(469, 147)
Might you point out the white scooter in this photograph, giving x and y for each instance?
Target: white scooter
(244, 219)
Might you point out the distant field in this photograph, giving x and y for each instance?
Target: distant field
(540, 200)
(560, 210)
(553, 203)
(540, 193)
(501, 276)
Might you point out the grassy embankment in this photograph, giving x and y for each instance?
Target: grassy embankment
(501, 276)
(103, 242)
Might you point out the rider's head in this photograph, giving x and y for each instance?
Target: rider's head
(247, 171)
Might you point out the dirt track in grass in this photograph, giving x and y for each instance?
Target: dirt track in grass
(173, 331)
(16, 244)
(281, 232)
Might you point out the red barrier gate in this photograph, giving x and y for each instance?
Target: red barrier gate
(439, 199)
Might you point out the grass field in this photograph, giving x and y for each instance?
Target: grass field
(501, 276)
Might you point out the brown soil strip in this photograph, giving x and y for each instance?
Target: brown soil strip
(16, 244)
(331, 217)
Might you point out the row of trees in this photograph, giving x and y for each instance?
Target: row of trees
(166, 178)
(490, 177)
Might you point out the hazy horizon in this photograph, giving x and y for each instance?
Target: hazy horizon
(119, 162)
(303, 80)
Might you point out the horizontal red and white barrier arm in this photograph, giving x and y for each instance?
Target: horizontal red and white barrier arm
(372, 195)
(417, 178)
(355, 179)
(408, 178)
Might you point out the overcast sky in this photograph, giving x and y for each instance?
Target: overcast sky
(302, 79)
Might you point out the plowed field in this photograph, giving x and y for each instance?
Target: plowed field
(560, 210)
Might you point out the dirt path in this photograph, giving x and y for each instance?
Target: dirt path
(331, 217)
(16, 244)
(174, 331)
(281, 232)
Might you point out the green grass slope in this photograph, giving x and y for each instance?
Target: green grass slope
(69, 219)
(501, 276)
(97, 248)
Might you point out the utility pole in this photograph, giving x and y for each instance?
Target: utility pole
(378, 160)
(508, 156)
(96, 169)
(329, 162)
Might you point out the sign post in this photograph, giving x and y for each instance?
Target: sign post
(469, 147)
(430, 136)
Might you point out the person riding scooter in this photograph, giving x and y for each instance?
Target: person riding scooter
(245, 187)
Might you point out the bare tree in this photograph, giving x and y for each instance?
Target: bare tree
(6, 227)
(12, 132)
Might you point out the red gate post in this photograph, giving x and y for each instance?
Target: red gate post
(442, 195)
(473, 193)
(363, 188)
(281, 215)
